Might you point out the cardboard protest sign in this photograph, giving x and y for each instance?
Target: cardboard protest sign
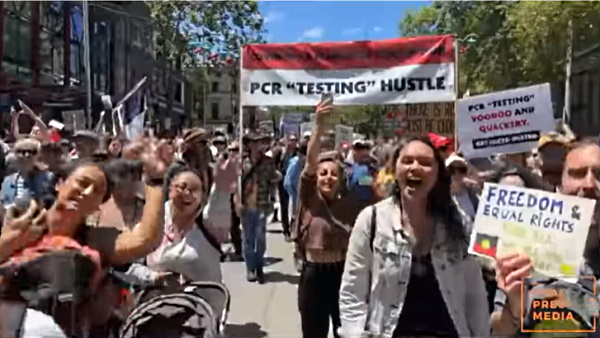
(509, 122)
(550, 228)
(290, 123)
(266, 126)
(343, 134)
(405, 70)
(306, 127)
(422, 118)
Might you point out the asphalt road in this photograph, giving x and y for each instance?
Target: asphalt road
(270, 309)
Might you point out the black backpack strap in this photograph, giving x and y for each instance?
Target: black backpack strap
(373, 228)
(209, 237)
(13, 318)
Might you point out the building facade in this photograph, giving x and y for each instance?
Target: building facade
(42, 52)
(220, 108)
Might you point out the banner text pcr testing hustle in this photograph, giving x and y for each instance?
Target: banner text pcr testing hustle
(416, 70)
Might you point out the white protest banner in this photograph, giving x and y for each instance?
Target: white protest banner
(508, 122)
(405, 70)
(343, 134)
(306, 127)
(551, 228)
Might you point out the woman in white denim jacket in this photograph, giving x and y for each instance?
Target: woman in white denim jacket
(410, 275)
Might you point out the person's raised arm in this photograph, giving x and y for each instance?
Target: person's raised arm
(142, 240)
(37, 120)
(314, 144)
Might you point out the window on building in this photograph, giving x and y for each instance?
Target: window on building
(214, 110)
(52, 44)
(179, 92)
(77, 65)
(214, 87)
(17, 39)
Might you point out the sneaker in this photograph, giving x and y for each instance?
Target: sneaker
(260, 276)
(251, 276)
(287, 238)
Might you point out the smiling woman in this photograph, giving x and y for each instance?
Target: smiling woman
(413, 241)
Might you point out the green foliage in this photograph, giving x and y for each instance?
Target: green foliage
(192, 31)
(517, 42)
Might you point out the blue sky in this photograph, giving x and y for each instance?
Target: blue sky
(312, 21)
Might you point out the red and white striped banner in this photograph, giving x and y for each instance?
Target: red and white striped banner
(406, 70)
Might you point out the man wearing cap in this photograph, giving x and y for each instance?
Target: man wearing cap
(30, 181)
(552, 150)
(259, 178)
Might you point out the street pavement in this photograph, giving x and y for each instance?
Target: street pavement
(270, 309)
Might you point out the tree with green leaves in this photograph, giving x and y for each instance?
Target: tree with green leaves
(204, 35)
(517, 42)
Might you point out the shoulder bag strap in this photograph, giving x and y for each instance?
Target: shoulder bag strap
(372, 233)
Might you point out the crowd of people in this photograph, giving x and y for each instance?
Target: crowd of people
(380, 229)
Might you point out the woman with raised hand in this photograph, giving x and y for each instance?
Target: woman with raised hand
(407, 270)
(326, 214)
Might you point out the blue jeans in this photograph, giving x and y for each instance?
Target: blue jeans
(254, 224)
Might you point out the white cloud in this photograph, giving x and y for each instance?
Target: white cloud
(352, 31)
(313, 33)
(377, 29)
(273, 17)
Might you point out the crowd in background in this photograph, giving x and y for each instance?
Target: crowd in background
(379, 228)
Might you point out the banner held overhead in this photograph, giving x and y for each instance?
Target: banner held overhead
(398, 71)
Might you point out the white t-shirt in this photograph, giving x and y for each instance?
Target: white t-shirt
(37, 324)
(193, 256)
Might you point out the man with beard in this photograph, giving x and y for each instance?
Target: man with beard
(580, 177)
(29, 182)
(259, 179)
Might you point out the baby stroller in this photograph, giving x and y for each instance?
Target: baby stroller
(196, 309)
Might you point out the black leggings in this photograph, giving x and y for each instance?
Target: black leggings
(318, 298)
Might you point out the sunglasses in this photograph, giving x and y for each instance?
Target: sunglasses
(26, 152)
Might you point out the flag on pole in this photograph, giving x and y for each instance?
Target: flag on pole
(135, 115)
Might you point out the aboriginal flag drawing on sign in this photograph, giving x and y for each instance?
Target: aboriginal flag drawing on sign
(486, 245)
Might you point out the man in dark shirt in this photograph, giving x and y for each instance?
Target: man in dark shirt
(282, 161)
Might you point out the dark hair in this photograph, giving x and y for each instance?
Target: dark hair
(439, 201)
(504, 168)
(303, 147)
(180, 170)
(67, 169)
(51, 147)
(581, 143)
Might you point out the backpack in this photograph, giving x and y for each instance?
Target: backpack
(577, 307)
(359, 180)
(56, 283)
